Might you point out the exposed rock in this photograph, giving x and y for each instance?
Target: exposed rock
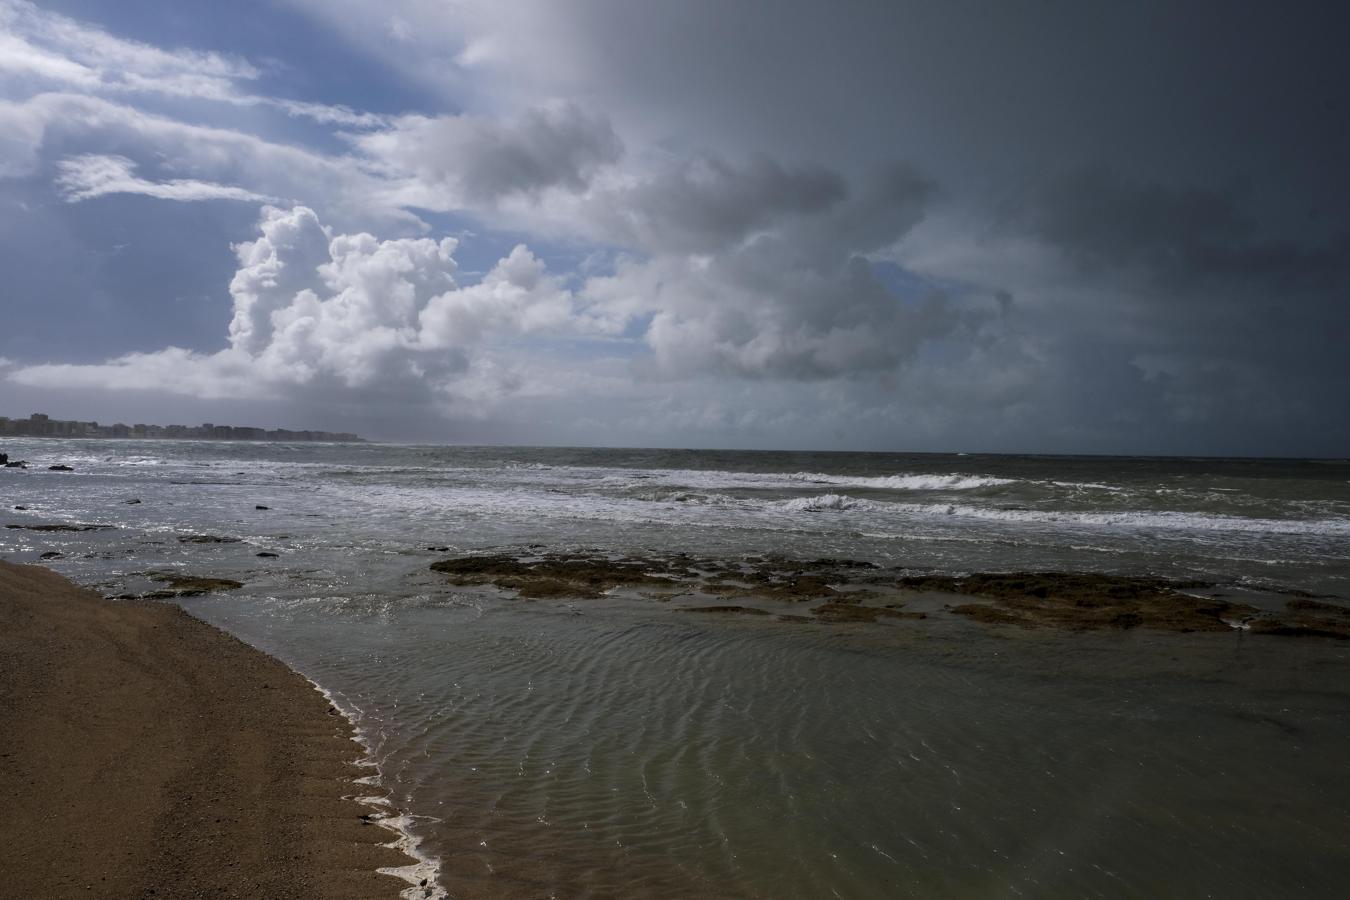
(788, 587)
(62, 527)
(267, 554)
(260, 506)
(1307, 618)
(832, 563)
(1080, 601)
(726, 609)
(52, 554)
(60, 467)
(206, 539)
(590, 573)
(132, 502)
(188, 585)
(21, 507)
(16, 464)
(834, 611)
(585, 577)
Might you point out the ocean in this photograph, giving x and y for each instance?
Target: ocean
(614, 746)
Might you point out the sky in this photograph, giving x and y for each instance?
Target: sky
(1022, 226)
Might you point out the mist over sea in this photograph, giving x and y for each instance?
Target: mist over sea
(612, 747)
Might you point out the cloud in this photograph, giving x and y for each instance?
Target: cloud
(1185, 237)
(704, 203)
(62, 51)
(50, 122)
(340, 317)
(1163, 236)
(337, 318)
(96, 175)
(764, 271)
(473, 159)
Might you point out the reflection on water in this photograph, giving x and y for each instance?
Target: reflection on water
(614, 749)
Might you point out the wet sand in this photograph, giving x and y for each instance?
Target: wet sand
(146, 754)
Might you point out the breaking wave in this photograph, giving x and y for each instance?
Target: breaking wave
(1163, 519)
(820, 503)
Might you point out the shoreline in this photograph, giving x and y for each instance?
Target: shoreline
(150, 754)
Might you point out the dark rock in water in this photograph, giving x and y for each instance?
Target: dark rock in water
(439, 549)
(260, 506)
(832, 563)
(592, 573)
(836, 611)
(1082, 601)
(726, 609)
(768, 585)
(16, 464)
(132, 502)
(21, 507)
(60, 467)
(4, 458)
(207, 539)
(1307, 618)
(52, 554)
(555, 576)
(267, 554)
(188, 585)
(62, 527)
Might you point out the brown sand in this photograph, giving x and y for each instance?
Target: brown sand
(146, 754)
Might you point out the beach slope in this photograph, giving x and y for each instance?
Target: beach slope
(144, 753)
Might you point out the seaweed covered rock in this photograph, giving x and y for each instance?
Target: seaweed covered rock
(178, 585)
(1307, 618)
(1081, 601)
(62, 527)
(551, 576)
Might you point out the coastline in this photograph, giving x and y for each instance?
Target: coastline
(150, 754)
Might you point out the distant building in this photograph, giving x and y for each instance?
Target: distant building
(41, 425)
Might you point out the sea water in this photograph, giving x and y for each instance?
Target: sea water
(612, 748)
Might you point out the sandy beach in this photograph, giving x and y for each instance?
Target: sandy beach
(148, 754)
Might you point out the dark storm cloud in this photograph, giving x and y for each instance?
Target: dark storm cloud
(482, 159)
(705, 203)
(762, 271)
(1010, 225)
(1185, 237)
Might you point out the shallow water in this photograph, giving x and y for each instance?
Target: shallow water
(616, 747)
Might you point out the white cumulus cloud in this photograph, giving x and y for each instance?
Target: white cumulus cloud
(95, 175)
(329, 316)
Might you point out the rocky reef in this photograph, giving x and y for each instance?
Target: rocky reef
(178, 585)
(845, 591)
(1081, 601)
(1307, 618)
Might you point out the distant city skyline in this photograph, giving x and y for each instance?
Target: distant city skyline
(42, 425)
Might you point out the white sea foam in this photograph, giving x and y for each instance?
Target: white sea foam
(712, 479)
(906, 482)
(1164, 519)
(818, 503)
(423, 873)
